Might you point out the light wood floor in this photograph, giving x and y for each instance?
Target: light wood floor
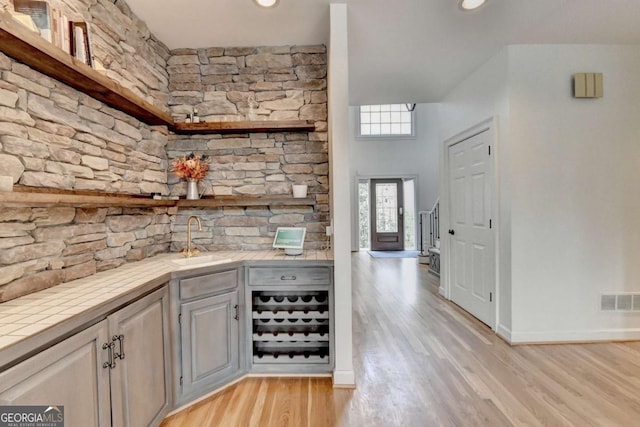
(421, 361)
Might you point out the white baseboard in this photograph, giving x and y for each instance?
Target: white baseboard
(442, 292)
(574, 336)
(344, 379)
(504, 333)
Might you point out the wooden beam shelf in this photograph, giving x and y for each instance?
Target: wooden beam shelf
(44, 197)
(244, 127)
(25, 46)
(37, 197)
(29, 48)
(242, 201)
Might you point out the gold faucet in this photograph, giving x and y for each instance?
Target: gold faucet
(188, 252)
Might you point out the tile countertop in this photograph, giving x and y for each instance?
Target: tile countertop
(47, 310)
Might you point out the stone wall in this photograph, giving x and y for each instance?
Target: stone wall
(43, 247)
(280, 83)
(123, 47)
(54, 136)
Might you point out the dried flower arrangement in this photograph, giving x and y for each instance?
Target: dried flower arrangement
(191, 167)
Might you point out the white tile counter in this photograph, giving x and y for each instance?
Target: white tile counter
(65, 308)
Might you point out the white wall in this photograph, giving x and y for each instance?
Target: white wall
(481, 96)
(398, 158)
(343, 374)
(576, 200)
(569, 170)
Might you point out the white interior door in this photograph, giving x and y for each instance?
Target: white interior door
(472, 265)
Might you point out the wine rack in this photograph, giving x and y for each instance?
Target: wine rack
(290, 326)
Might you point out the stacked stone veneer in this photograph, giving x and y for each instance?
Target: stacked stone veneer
(263, 83)
(54, 136)
(43, 247)
(122, 45)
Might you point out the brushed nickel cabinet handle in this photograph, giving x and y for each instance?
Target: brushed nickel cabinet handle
(110, 363)
(120, 338)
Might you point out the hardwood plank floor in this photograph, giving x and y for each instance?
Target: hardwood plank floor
(422, 361)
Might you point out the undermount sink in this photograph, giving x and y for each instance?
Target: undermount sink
(200, 259)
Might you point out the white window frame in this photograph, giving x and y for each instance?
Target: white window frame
(385, 136)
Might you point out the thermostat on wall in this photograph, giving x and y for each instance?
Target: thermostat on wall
(588, 85)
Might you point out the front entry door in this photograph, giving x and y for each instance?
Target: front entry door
(387, 225)
(471, 236)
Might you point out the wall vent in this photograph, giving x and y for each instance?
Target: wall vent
(620, 302)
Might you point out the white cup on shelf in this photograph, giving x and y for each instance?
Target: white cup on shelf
(299, 191)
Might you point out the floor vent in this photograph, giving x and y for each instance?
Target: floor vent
(620, 302)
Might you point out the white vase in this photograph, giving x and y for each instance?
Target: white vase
(192, 189)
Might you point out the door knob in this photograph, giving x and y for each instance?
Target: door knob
(452, 232)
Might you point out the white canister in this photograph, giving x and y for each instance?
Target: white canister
(299, 191)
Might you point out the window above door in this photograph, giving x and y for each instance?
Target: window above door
(385, 120)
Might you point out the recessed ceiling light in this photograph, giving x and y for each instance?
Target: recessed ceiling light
(266, 3)
(471, 4)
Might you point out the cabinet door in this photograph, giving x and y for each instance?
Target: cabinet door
(140, 387)
(69, 374)
(210, 342)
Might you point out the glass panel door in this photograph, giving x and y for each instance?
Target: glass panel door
(387, 229)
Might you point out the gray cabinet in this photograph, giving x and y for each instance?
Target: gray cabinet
(114, 373)
(68, 374)
(291, 321)
(209, 333)
(140, 379)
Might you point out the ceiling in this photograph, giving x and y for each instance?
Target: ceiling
(399, 50)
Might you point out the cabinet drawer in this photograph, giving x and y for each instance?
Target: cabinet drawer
(259, 276)
(208, 284)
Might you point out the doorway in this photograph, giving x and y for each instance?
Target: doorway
(386, 217)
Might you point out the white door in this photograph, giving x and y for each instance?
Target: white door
(472, 270)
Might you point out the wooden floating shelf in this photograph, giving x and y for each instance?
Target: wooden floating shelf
(35, 199)
(244, 127)
(241, 201)
(44, 197)
(29, 48)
